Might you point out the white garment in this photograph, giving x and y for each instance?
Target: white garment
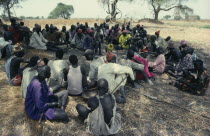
(75, 81)
(26, 80)
(114, 74)
(38, 41)
(160, 42)
(56, 79)
(3, 43)
(96, 124)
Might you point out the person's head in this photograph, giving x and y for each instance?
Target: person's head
(130, 54)
(86, 24)
(78, 24)
(95, 25)
(157, 33)
(44, 72)
(124, 33)
(13, 21)
(73, 59)
(18, 50)
(110, 57)
(45, 60)
(52, 29)
(198, 65)
(90, 33)
(153, 38)
(168, 38)
(73, 28)
(190, 51)
(59, 54)
(102, 86)
(89, 55)
(138, 26)
(64, 29)
(183, 43)
(38, 28)
(34, 61)
(160, 50)
(21, 23)
(171, 45)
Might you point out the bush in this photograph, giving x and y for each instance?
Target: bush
(206, 27)
(177, 18)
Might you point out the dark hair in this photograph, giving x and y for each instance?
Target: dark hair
(59, 54)
(190, 51)
(46, 60)
(160, 50)
(20, 53)
(130, 54)
(198, 64)
(73, 59)
(33, 61)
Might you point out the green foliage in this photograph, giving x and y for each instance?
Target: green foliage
(62, 11)
(206, 27)
(167, 17)
(177, 18)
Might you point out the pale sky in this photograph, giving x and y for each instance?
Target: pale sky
(91, 9)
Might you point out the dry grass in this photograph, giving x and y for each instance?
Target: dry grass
(141, 115)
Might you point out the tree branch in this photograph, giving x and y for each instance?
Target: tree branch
(169, 8)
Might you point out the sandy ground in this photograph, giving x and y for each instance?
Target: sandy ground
(160, 109)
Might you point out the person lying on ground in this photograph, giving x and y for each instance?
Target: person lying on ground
(57, 66)
(29, 73)
(195, 81)
(101, 115)
(116, 75)
(159, 64)
(13, 70)
(40, 103)
(75, 77)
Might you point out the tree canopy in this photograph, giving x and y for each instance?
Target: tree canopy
(62, 11)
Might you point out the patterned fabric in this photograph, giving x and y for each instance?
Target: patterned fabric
(185, 63)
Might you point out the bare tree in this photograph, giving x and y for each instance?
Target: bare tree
(166, 5)
(7, 5)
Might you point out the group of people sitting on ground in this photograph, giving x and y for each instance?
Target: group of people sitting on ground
(46, 84)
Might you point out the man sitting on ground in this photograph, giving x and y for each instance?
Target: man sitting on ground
(123, 38)
(57, 67)
(13, 70)
(76, 77)
(78, 40)
(101, 116)
(116, 75)
(40, 103)
(29, 73)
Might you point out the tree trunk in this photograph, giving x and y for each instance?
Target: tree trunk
(8, 11)
(156, 15)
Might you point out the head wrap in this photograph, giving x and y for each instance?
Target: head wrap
(110, 47)
(183, 42)
(158, 32)
(79, 31)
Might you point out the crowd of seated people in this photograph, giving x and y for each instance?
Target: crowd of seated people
(47, 84)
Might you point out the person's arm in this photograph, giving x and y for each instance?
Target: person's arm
(157, 62)
(137, 66)
(118, 69)
(43, 39)
(37, 97)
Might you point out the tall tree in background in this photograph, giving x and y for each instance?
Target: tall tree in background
(62, 11)
(166, 5)
(7, 5)
(111, 7)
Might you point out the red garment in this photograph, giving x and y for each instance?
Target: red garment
(146, 68)
(16, 36)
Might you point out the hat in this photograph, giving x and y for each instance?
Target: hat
(109, 55)
(158, 32)
(183, 42)
(17, 47)
(89, 31)
(171, 45)
(124, 31)
(3, 43)
(110, 47)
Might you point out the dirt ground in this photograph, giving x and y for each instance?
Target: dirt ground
(153, 110)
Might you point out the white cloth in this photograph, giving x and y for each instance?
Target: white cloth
(3, 43)
(56, 79)
(114, 74)
(96, 124)
(38, 41)
(75, 81)
(26, 80)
